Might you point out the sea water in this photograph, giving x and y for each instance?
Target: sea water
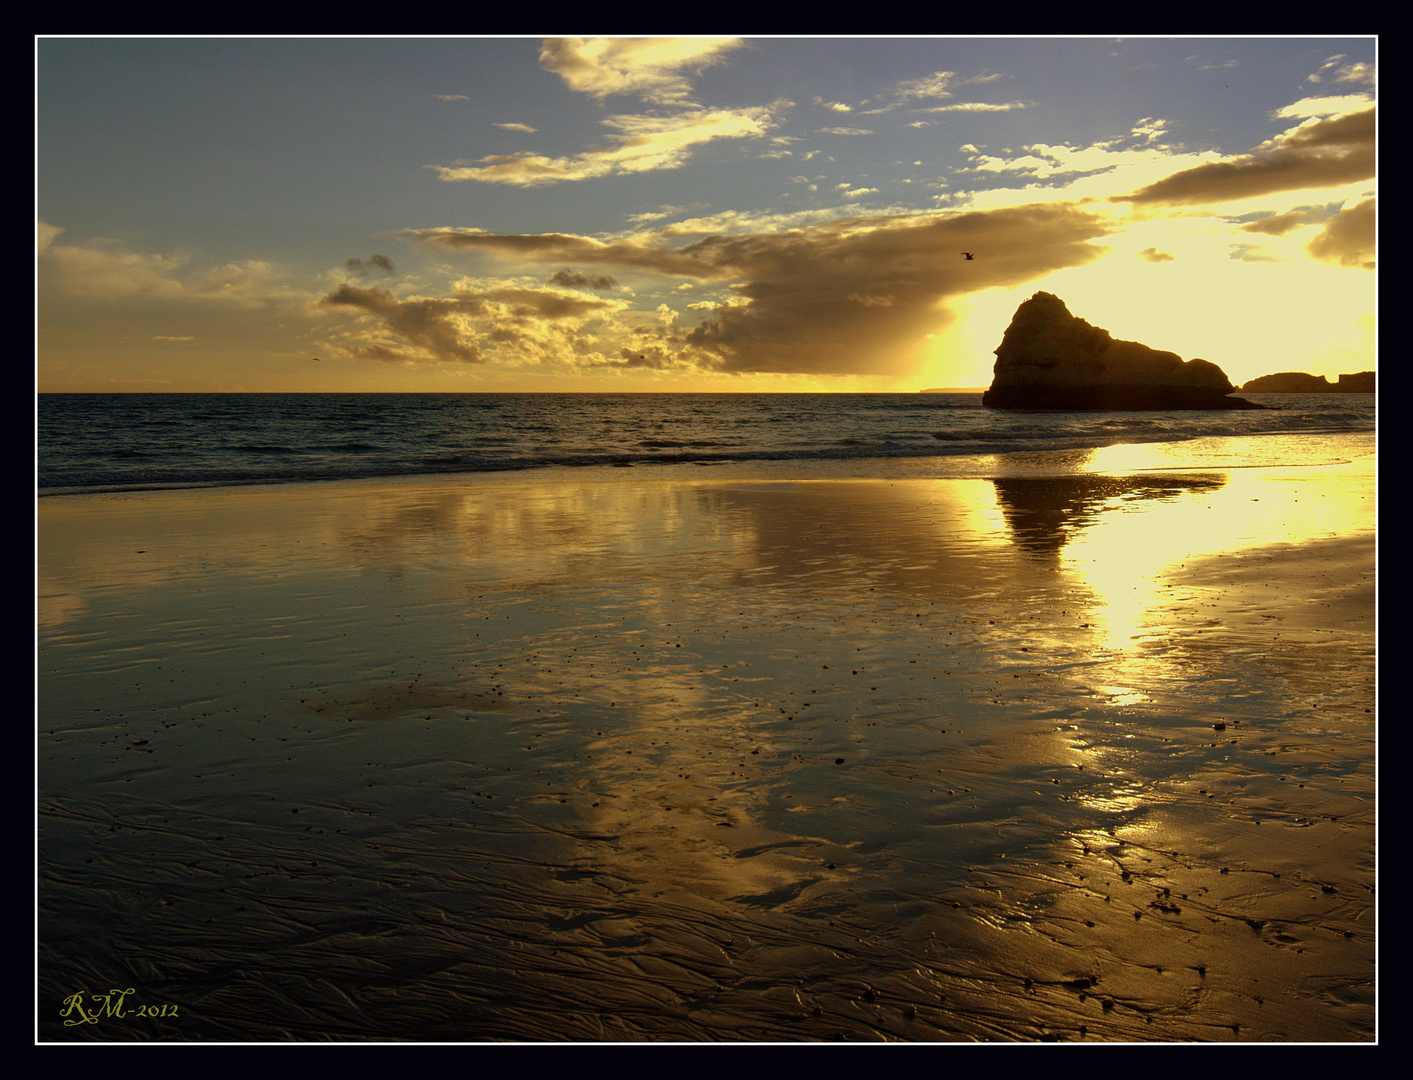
(98, 442)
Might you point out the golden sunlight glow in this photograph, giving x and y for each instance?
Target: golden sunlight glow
(1133, 556)
(1201, 303)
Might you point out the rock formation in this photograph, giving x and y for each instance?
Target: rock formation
(1051, 360)
(1358, 382)
(1300, 382)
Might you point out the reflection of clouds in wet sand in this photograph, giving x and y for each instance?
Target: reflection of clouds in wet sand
(599, 758)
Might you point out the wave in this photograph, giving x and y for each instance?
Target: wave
(109, 442)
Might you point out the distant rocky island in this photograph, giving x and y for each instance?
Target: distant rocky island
(1053, 361)
(1300, 382)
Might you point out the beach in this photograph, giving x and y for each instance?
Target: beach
(712, 754)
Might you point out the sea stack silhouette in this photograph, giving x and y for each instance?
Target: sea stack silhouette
(1301, 382)
(1050, 360)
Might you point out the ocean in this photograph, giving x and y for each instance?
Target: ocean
(108, 442)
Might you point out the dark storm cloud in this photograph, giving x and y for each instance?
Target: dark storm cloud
(1325, 153)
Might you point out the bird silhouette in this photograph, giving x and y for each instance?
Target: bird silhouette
(969, 255)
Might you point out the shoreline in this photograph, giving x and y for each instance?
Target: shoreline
(711, 756)
(1199, 453)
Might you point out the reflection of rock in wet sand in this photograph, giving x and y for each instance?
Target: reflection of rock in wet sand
(1043, 512)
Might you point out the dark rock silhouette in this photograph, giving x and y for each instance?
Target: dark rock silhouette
(1301, 382)
(1051, 360)
(1358, 382)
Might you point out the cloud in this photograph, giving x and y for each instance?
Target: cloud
(469, 327)
(654, 69)
(654, 215)
(434, 328)
(101, 302)
(359, 267)
(1327, 152)
(107, 271)
(1279, 224)
(1335, 68)
(44, 235)
(979, 106)
(573, 279)
(938, 86)
(861, 297)
(848, 296)
(1153, 255)
(1064, 163)
(1360, 73)
(1253, 253)
(640, 144)
(1351, 130)
(632, 254)
(1323, 107)
(1348, 237)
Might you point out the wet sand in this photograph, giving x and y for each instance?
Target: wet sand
(688, 754)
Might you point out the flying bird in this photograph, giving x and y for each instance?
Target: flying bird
(969, 255)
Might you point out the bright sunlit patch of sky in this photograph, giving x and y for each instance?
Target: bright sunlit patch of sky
(691, 214)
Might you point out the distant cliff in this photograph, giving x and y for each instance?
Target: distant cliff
(1052, 360)
(1300, 382)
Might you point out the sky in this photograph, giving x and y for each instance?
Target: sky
(690, 214)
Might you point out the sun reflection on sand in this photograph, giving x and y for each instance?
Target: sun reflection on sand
(958, 734)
